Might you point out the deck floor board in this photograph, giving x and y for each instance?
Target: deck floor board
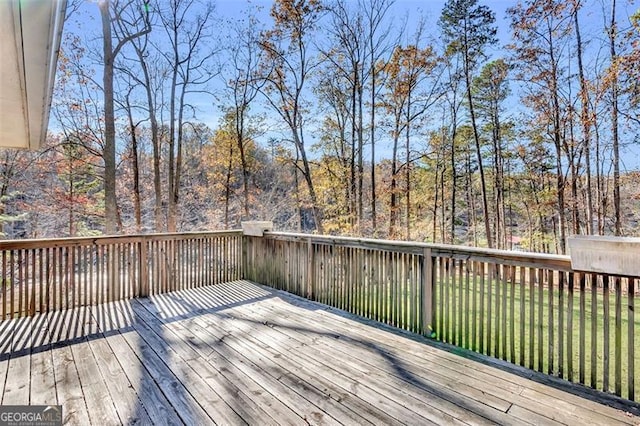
(241, 353)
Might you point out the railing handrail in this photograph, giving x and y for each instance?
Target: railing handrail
(105, 239)
(530, 309)
(555, 261)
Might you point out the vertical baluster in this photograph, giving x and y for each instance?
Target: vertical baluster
(541, 274)
(72, 274)
(618, 337)
(605, 332)
(441, 298)
(481, 272)
(474, 307)
(496, 282)
(382, 287)
(489, 278)
(460, 306)
(5, 284)
(631, 343)
(447, 289)
(551, 323)
(532, 316)
(33, 282)
(83, 270)
(581, 348)
(523, 289)
(505, 285)
(450, 300)
(467, 308)
(570, 295)
(512, 314)
(130, 249)
(41, 278)
(99, 272)
(12, 283)
(21, 289)
(594, 330)
(561, 328)
(62, 253)
(48, 283)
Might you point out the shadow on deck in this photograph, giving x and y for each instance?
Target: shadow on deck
(238, 353)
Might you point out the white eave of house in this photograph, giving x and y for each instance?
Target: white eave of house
(30, 34)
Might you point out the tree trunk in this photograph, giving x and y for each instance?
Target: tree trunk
(155, 140)
(557, 139)
(393, 207)
(476, 138)
(109, 154)
(227, 188)
(614, 121)
(372, 131)
(407, 171)
(243, 162)
(454, 178)
(136, 174)
(586, 126)
(360, 159)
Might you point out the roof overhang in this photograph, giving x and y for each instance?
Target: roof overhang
(30, 33)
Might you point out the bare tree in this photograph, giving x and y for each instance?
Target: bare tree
(241, 78)
(187, 25)
(378, 46)
(287, 50)
(469, 28)
(110, 12)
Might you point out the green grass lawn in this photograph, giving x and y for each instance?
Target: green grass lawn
(497, 320)
(551, 345)
(512, 335)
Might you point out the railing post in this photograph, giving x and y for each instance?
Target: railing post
(427, 292)
(244, 261)
(311, 285)
(144, 270)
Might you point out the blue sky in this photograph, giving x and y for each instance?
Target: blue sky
(86, 23)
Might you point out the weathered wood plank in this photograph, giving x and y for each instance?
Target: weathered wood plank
(359, 362)
(187, 407)
(16, 388)
(99, 403)
(551, 402)
(152, 400)
(254, 402)
(269, 355)
(128, 406)
(268, 340)
(552, 395)
(42, 382)
(251, 367)
(193, 350)
(198, 390)
(68, 389)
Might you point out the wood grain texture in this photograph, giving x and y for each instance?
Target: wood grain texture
(237, 353)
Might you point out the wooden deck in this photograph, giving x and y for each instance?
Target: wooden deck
(240, 353)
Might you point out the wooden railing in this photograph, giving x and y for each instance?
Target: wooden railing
(48, 275)
(529, 309)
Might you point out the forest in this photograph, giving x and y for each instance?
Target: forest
(340, 117)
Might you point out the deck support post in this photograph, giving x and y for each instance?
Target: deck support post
(143, 284)
(427, 292)
(310, 270)
(244, 261)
